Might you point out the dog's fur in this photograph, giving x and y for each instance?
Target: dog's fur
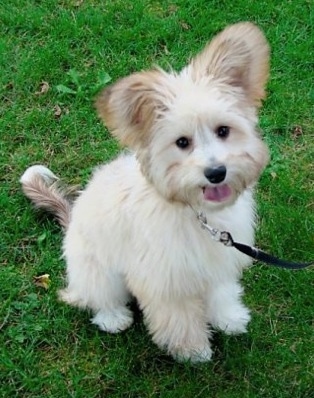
(133, 230)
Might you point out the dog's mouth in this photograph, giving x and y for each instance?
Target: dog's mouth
(218, 193)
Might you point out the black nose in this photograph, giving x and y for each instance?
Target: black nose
(215, 174)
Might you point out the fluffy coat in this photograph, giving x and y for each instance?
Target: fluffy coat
(194, 145)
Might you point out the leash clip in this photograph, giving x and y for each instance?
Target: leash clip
(226, 238)
(214, 232)
(223, 237)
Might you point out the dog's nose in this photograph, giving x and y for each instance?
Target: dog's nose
(215, 174)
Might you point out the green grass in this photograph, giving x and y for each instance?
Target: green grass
(48, 349)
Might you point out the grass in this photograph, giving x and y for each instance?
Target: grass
(48, 349)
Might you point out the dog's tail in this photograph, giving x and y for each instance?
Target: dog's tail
(46, 192)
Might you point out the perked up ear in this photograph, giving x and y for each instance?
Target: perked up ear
(239, 56)
(129, 107)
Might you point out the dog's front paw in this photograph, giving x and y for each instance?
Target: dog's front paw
(192, 354)
(113, 321)
(233, 321)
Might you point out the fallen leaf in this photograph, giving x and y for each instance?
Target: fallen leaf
(42, 281)
(184, 25)
(173, 8)
(293, 347)
(273, 174)
(44, 88)
(57, 111)
(297, 131)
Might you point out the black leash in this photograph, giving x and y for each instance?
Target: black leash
(226, 238)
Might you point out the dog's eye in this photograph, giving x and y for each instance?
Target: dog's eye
(223, 131)
(183, 142)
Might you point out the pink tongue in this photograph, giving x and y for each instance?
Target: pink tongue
(217, 194)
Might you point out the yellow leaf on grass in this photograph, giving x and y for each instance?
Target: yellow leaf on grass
(44, 88)
(42, 281)
(57, 111)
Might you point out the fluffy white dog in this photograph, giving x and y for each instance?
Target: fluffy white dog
(133, 231)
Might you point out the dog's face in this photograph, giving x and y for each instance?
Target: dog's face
(194, 132)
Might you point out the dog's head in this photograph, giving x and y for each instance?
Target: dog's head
(194, 132)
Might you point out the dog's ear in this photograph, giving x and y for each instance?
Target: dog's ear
(130, 106)
(239, 56)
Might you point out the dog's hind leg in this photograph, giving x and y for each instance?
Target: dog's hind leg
(93, 285)
(112, 314)
(105, 295)
(114, 320)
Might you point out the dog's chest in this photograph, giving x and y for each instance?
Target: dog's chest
(173, 255)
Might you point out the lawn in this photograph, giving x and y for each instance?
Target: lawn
(54, 57)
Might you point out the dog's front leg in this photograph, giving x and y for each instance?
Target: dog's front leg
(225, 310)
(179, 326)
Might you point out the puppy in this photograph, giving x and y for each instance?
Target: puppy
(133, 231)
